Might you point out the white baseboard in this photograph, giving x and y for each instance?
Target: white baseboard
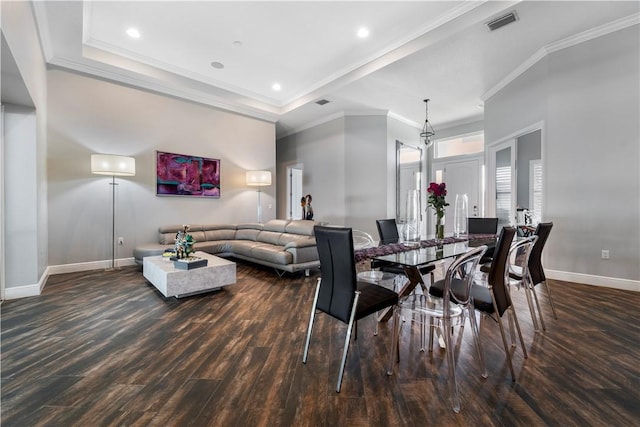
(588, 279)
(34, 290)
(86, 266)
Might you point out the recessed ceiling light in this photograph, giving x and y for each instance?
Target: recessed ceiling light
(217, 65)
(276, 86)
(363, 33)
(237, 43)
(133, 33)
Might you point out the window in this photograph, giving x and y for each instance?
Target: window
(503, 195)
(460, 145)
(535, 190)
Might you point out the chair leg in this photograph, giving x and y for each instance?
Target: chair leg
(346, 341)
(553, 308)
(476, 338)
(506, 346)
(527, 292)
(515, 320)
(453, 385)
(504, 337)
(535, 297)
(395, 348)
(311, 318)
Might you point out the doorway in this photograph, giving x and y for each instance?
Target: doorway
(294, 192)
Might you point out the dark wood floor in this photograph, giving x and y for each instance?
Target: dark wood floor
(104, 348)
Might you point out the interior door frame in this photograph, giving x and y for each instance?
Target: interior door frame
(290, 201)
(492, 147)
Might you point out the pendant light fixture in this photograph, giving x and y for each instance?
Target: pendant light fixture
(427, 133)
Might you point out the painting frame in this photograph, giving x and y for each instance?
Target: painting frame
(184, 175)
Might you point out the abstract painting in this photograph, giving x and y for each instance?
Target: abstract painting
(183, 175)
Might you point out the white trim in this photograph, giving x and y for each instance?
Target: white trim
(22, 291)
(2, 206)
(593, 33)
(86, 266)
(38, 9)
(25, 291)
(345, 113)
(404, 120)
(588, 279)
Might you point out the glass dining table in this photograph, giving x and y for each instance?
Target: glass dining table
(412, 260)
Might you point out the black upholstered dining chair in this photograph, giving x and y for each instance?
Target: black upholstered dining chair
(388, 233)
(476, 225)
(536, 271)
(440, 312)
(339, 293)
(492, 297)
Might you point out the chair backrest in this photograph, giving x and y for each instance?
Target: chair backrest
(519, 254)
(462, 268)
(535, 259)
(362, 239)
(337, 271)
(482, 225)
(497, 276)
(388, 230)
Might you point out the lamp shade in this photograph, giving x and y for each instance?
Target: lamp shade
(258, 178)
(108, 164)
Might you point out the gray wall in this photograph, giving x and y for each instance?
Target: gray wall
(93, 116)
(28, 220)
(588, 99)
(320, 151)
(349, 168)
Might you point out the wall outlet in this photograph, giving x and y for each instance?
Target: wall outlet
(120, 241)
(605, 254)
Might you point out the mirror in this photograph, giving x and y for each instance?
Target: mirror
(408, 177)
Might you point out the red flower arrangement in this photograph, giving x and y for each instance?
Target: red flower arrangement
(436, 198)
(437, 202)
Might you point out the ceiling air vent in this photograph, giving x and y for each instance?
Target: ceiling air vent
(501, 21)
(322, 102)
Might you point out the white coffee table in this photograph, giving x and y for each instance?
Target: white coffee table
(173, 282)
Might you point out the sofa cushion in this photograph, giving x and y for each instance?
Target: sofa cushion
(278, 225)
(271, 253)
(247, 234)
(220, 234)
(286, 238)
(243, 247)
(272, 237)
(301, 226)
(214, 246)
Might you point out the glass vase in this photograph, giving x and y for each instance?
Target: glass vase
(460, 215)
(411, 233)
(440, 227)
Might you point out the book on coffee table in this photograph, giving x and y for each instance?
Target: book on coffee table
(189, 263)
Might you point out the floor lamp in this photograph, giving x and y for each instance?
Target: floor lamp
(107, 164)
(259, 179)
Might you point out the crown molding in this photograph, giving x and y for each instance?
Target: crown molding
(42, 26)
(574, 40)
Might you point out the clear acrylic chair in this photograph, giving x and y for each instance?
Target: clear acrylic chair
(438, 312)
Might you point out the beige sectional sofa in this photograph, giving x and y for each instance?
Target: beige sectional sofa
(286, 245)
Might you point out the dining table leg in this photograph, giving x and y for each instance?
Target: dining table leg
(415, 279)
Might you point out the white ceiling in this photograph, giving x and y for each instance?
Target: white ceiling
(440, 50)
